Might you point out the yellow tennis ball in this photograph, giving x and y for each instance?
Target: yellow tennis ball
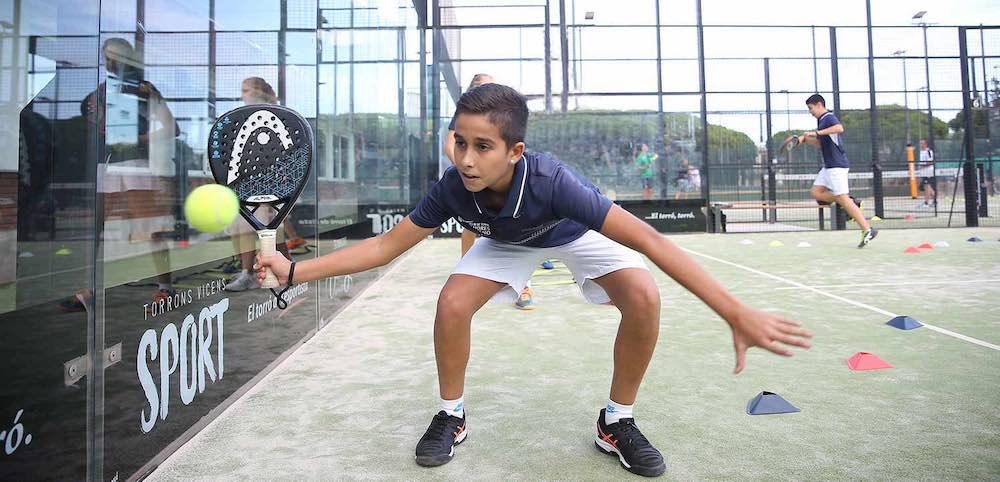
(210, 208)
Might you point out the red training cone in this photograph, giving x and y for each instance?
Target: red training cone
(863, 360)
(926, 246)
(911, 250)
(909, 217)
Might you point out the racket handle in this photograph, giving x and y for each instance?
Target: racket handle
(267, 239)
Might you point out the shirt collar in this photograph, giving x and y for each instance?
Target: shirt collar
(515, 195)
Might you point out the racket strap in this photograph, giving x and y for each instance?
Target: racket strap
(282, 304)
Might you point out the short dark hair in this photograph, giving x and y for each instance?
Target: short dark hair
(504, 107)
(816, 99)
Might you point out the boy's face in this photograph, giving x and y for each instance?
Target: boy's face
(816, 109)
(482, 157)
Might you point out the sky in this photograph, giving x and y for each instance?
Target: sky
(738, 52)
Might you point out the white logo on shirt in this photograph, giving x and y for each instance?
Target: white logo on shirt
(482, 228)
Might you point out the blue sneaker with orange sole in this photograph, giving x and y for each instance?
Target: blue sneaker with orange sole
(526, 300)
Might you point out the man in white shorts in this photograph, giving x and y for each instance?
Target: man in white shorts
(831, 182)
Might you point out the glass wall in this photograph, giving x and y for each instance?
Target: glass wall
(48, 234)
(127, 329)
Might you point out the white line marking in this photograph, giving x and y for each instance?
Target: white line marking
(864, 285)
(845, 300)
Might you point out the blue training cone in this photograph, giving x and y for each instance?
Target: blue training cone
(975, 239)
(904, 323)
(768, 403)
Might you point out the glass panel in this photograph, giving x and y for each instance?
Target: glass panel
(189, 342)
(48, 55)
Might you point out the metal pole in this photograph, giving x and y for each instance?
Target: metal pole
(404, 138)
(282, 58)
(662, 140)
(873, 118)
(969, 166)
(575, 52)
(548, 59)
(906, 104)
(788, 112)
(983, 192)
(435, 86)
(772, 193)
(705, 163)
(837, 218)
(563, 57)
(927, 78)
(815, 66)
(415, 184)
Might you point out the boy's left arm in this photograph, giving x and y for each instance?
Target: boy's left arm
(751, 327)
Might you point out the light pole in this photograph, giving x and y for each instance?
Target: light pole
(906, 101)
(919, 18)
(788, 114)
(921, 89)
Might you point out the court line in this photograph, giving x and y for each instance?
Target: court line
(859, 304)
(914, 283)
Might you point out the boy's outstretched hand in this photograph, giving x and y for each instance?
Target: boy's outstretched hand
(278, 264)
(753, 327)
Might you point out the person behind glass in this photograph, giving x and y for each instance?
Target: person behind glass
(683, 180)
(644, 163)
(694, 179)
(526, 300)
(255, 90)
(925, 170)
(136, 134)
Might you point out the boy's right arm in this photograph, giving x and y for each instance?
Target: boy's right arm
(370, 253)
(809, 139)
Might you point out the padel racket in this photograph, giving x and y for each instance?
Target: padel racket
(263, 152)
(790, 144)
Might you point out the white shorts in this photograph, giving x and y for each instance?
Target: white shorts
(590, 256)
(834, 179)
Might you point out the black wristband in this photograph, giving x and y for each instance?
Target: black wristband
(282, 304)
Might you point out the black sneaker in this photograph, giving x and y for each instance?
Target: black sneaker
(437, 446)
(635, 453)
(867, 236)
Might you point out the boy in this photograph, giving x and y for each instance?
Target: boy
(526, 300)
(527, 206)
(831, 182)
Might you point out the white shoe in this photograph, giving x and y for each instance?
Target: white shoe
(242, 282)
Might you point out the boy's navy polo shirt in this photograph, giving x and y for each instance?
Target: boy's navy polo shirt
(547, 205)
(831, 145)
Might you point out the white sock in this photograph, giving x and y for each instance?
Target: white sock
(616, 411)
(455, 408)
